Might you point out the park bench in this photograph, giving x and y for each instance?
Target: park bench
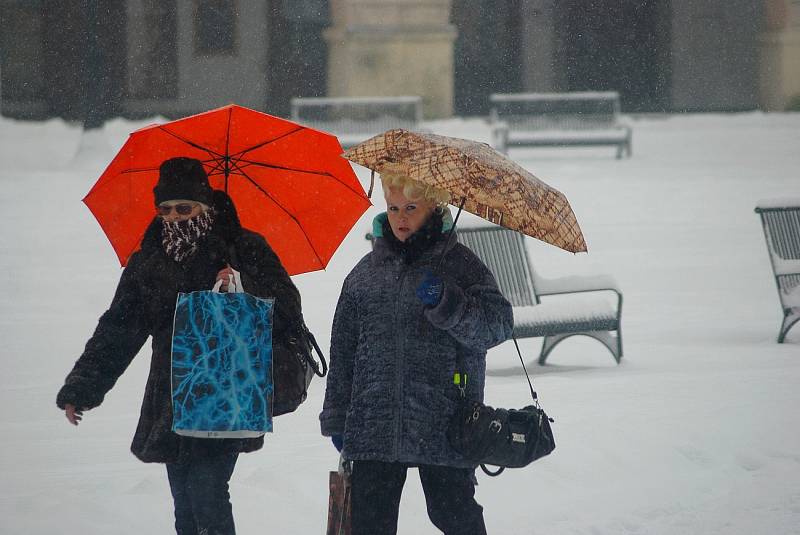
(781, 221)
(572, 306)
(558, 120)
(356, 119)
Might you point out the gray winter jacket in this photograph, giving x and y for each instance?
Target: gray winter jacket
(390, 386)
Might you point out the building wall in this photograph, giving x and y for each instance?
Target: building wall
(487, 52)
(205, 80)
(615, 45)
(538, 46)
(715, 55)
(297, 52)
(392, 48)
(22, 88)
(790, 79)
(779, 46)
(47, 66)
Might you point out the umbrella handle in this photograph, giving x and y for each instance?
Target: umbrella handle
(450, 234)
(371, 183)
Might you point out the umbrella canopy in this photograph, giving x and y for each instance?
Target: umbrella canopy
(491, 186)
(289, 182)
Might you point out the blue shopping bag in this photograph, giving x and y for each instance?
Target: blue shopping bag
(222, 365)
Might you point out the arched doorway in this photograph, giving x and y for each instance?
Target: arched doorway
(617, 45)
(298, 53)
(486, 52)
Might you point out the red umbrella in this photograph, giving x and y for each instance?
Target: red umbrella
(288, 182)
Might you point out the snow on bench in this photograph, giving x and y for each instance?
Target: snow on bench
(581, 118)
(781, 221)
(575, 305)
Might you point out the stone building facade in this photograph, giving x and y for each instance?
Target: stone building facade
(177, 57)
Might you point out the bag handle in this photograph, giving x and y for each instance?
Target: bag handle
(234, 284)
(311, 362)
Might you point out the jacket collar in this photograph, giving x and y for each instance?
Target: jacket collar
(379, 220)
(384, 250)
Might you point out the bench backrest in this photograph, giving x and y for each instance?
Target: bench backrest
(504, 253)
(781, 223)
(546, 111)
(358, 115)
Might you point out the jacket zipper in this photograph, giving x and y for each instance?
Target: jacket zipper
(400, 366)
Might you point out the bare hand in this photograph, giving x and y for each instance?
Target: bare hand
(74, 414)
(224, 275)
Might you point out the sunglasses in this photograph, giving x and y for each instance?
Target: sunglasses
(182, 209)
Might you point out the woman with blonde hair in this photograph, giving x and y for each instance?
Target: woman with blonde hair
(399, 328)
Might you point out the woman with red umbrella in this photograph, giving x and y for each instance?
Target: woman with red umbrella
(400, 327)
(194, 239)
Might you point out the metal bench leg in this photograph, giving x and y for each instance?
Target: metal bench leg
(624, 148)
(611, 341)
(788, 322)
(548, 343)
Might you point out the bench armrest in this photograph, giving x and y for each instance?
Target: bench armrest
(791, 299)
(784, 267)
(576, 284)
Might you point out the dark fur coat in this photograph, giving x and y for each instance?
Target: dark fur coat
(144, 306)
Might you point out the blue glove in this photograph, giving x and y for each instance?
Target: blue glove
(338, 442)
(430, 289)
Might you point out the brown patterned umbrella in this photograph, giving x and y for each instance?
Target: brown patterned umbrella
(492, 186)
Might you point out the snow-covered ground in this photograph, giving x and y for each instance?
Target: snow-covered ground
(695, 432)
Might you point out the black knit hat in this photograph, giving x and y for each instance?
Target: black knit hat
(182, 178)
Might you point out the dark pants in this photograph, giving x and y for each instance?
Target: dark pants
(449, 495)
(200, 492)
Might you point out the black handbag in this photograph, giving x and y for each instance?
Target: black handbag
(506, 438)
(293, 367)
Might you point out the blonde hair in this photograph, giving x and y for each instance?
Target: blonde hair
(413, 189)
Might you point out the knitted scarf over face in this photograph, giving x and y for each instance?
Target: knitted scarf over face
(182, 238)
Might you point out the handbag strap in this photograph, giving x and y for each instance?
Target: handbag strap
(457, 377)
(460, 379)
(528, 377)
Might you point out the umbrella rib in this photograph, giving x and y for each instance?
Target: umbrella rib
(214, 165)
(279, 205)
(273, 140)
(192, 143)
(139, 170)
(227, 148)
(228, 132)
(236, 158)
(282, 168)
